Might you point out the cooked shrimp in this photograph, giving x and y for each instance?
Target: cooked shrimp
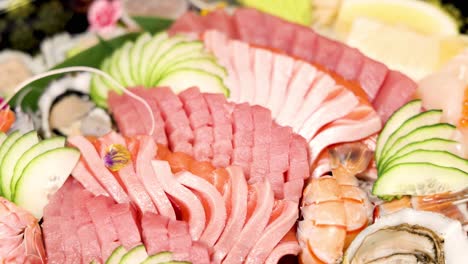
(334, 208)
(20, 235)
(453, 205)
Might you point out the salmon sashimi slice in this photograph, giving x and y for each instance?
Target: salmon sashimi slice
(237, 216)
(213, 203)
(192, 209)
(283, 218)
(148, 177)
(94, 162)
(255, 225)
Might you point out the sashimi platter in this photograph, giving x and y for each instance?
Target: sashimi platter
(244, 134)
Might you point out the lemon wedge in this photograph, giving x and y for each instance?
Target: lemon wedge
(451, 47)
(297, 11)
(412, 53)
(417, 15)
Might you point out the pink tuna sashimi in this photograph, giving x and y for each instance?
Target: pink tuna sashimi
(124, 220)
(255, 225)
(372, 76)
(135, 189)
(146, 174)
(395, 92)
(350, 63)
(180, 241)
(94, 162)
(237, 216)
(219, 20)
(251, 26)
(183, 197)
(298, 86)
(125, 113)
(213, 202)
(84, 176)
(53, 239)
(90, 248)
(154, 233)
(277, 228)
(199, 253)
(328, 52)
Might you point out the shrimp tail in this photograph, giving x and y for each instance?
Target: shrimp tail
(350, 158)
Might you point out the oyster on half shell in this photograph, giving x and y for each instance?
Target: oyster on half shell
(410, 236)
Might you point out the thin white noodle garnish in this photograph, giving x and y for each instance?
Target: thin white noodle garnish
(85, 69)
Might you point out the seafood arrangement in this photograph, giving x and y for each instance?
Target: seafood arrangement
(235, 136)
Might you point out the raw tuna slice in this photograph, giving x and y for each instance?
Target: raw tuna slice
(237, 216)
(328, 52)
(372, 76)
(350, 63)
(262, 138)
(287, 246)
(189, 22)
(53, 239)
(147, 176)
(255, 225)
(251, 26)
(213, 203)
(135, 189)
(84, 176)
(154, 233)
(93, 161)
(191, 206)
(219, 20)
(282, 34)
(395, 92)
(180, 241)
(199, 253)
(71, 243)
(304, 44)
(283, 218)
(90, 248)
(123, 218)
(125, 113)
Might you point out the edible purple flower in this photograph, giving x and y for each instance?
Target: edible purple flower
(117, 157)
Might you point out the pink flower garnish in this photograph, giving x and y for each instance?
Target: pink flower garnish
(103, 15)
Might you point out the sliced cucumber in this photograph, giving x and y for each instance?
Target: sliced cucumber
(164, 47)
(43, 176)
(161, 257)
(439, 158)
(36, 150)
(12, 156)
(114, 66)
(423, 119)
(206, 64)
(394, 122)
(124, 65)
(9, 140)
(98, 91)
(419, 179)
(444, 131)
(116, 255)
(178, 52)
(3, 136)
(135, 255)
(149, 50)
(185, 78)
(437, 144)
(136, 55)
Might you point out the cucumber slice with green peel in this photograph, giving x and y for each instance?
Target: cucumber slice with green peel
(29, 155)
(428, 118)
(114, 70)
(136, 55)
(394, 122)
(43, 176)
(98, 91)
(436, 144)
(9, 140)
(419, 179)
(3, 136)
(439, 158)
(185, 78)
(444, 131)
(149, 50)
(156, 55)
(21, 145)
(135, 255)
(161, 257)
(116, 255)
(206, 64)
(124, 65)
(178, 52)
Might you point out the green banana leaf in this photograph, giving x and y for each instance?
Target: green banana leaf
(91, 57)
